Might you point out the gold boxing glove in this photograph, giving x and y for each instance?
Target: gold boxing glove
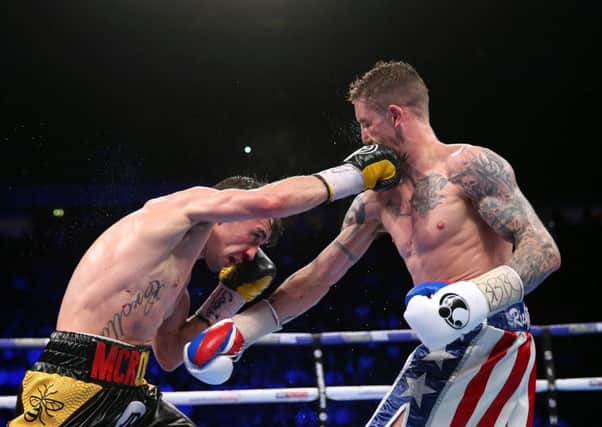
(372, 167)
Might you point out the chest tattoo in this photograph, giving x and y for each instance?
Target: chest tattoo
(427, 194)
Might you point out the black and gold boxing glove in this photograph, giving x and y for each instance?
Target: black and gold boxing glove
(239, 284)
(249, 278)
(375, 167)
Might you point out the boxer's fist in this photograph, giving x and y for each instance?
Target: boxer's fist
(379, 165)
(447, 314)
(251, 277)
(208, 357)
(375, 167)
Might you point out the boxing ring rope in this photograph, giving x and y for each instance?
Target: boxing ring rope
(322, 393)
(353, 337)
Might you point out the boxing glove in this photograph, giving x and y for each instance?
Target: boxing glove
(239, 284)
(439, 313)
(374, 167)
(209, 356)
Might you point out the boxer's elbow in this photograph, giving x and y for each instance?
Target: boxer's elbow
(168, 364)
(554, 258)
(168, 354)
(271, 205)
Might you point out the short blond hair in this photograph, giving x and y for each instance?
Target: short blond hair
(392, 83)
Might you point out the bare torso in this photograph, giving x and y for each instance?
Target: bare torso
(436, 228)
(130, 279)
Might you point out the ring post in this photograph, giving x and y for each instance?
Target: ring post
(548, 362)
(318, 362)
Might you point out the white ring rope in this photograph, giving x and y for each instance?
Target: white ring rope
(335, 338)
(309, 394)
(343, 393)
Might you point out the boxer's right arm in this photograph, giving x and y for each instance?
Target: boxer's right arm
(305, 288)
(297, 294)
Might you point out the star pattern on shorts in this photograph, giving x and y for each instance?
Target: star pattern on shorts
(438, 357)
(417, 388)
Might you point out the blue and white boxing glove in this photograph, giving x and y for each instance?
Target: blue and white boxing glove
(440, 313)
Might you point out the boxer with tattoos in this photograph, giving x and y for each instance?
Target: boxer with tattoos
(473, 245)
(129, 290)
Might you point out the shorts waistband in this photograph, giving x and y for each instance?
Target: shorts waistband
(514, 318)
(94, 358)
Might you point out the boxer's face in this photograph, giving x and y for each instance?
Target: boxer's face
(377, 127)
(232, 242)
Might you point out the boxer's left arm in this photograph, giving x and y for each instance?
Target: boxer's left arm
(489, 181)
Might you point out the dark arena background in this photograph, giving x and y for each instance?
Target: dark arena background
(105, 104)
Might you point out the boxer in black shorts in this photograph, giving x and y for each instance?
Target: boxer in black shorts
(129, 291)
(86, 380)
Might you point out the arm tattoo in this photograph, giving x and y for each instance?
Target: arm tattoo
(489, 181)
(144, 299)
(345, 250)
(356, 215)
(485, 174)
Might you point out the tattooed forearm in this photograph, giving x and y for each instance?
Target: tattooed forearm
(345, 250)
(534, 259)
(146, 299)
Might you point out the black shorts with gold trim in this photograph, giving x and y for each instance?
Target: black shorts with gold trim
(87, 380)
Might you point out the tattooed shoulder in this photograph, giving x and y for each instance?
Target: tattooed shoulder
(480, 172)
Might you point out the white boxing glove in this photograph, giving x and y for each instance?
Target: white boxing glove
(439, 314)
(446, 315)
(216, 371)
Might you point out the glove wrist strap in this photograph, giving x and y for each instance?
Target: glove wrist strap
(501, 286)
(259, 320)
(221, 304)
(342, 181)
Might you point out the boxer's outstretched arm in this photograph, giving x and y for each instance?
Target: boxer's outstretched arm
(282, 198)
(490, 182)
(306, 287)
(371, 167)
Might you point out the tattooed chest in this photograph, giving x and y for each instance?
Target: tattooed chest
(425, 216)
(420, 199)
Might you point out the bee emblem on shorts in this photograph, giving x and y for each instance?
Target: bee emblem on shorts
(454, 310)
(43, 405)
